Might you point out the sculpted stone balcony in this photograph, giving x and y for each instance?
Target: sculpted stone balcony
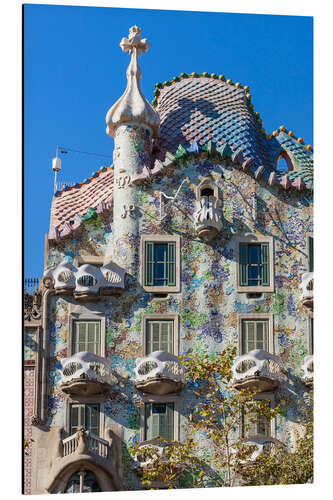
(257, 370)
(308, 370)
(85, 373)
(306, 285)
(208, 217)
(148, 452)
(159, 373)
(87, 282)
(260, 444)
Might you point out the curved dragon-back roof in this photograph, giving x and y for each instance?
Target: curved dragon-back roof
(202, 108)
(198, 113)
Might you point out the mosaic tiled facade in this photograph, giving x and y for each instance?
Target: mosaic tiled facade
(208, 132)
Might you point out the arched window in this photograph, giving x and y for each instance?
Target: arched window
(283, 163)
(82, 481)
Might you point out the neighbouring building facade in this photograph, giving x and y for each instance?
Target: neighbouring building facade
(198, 236)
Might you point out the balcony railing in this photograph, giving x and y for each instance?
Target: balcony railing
(85, 442)
(208, 217)
(148, 452)
(159, 373)
(308, 371)
(257, 370)
(307, 296)
(86, 373)
(260, 444)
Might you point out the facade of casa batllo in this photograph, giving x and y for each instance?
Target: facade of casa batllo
(194, 239)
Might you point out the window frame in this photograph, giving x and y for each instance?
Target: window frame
(272, 428)
(256, 240)
(157, 317)
(95, 399)
(159, 399)
(86, 316)
(145, 430)
(164, 239)
(85, 405)
(254, 317)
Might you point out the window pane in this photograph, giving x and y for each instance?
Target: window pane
(160, 252)
(254, 254)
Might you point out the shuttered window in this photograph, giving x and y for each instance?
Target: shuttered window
(160, 264)
(310, 246)
(86, 337)
(259, 425)
(159, 336)
(84, 415)
(159, 420)
(254, 264)
(254, 335)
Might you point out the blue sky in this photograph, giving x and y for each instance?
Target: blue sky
(75, 70)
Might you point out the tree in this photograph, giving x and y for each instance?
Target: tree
(219, 412)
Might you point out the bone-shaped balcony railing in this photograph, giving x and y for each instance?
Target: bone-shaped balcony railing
(260, 444)
(257, 368)
(85, 442)
(159, 373)
(307, 290)
(208, 217)
(86, 367)
(308, 370)
(149, 450)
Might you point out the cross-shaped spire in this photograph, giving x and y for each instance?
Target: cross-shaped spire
(134, 41)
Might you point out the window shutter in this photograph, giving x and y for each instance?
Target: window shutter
(149, 264)
(170, 421)
(265, 264)
(243, 264)
(74, 418)
(310, 254)
(171, 264)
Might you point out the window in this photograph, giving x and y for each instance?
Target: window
(160, 263)
(310, 253)
(259, 425)
(159, 421)
(159, 336)
(83, 481)
(255, 331)
(255, 264)
(84, 415)
(86, 336)
(255, 335)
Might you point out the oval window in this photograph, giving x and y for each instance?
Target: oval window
(87, 280)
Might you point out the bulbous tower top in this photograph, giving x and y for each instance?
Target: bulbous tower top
(132, 105)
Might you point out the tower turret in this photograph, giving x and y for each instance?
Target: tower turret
(133, 123)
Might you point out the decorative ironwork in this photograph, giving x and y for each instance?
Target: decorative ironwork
(32, 299)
